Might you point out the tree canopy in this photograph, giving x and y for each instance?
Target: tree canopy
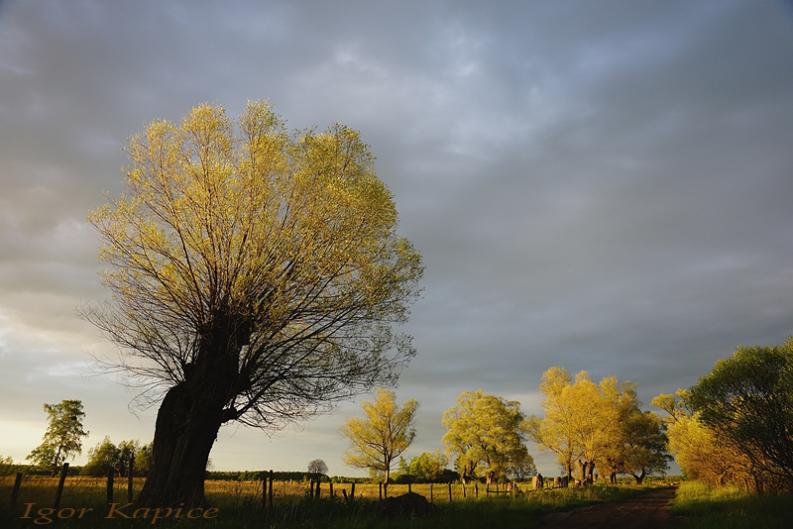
(597, 425)
(426, 467)
(6, 464)
(64, 436)
(701, 453)
(284, 244)
(143, 459)
(383, 435)
(106, 456)
(317, 467)
(642, 448)
(485, 435)
(748, 399)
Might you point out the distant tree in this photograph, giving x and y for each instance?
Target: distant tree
(383, 435)
(257, 276)
(643, 447)
(636, 442)
(485, 435)
(6, 464)
(102, 458)
(426, 467)
(597, 424)
(126, 452)
(595, 409)
(143, 459)
(556, 431)
(317, 468)
(64, 436)
(748, 399)
(106, 456)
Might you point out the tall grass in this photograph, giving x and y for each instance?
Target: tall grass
(702, 507)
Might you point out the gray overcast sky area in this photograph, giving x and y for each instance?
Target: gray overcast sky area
(598, 185)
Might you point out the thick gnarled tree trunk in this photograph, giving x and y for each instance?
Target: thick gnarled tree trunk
(187, 425)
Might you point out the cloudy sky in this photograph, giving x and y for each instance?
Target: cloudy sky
(598, 185)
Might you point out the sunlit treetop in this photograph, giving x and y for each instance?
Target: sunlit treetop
(277, 248)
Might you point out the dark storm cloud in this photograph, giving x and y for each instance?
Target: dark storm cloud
(602, 186)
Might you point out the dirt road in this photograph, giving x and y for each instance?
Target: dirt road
(647, 511)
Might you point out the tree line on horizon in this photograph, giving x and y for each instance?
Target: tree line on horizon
(731, 428)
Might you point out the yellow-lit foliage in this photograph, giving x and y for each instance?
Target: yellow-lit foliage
(485, 436)
(556, 431)
(383, 435)
(275, 250)
(589, 424)
(698, 450)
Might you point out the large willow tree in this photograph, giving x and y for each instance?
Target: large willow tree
(256, 277)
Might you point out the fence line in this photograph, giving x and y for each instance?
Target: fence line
(456, 491)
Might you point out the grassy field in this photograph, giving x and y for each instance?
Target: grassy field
(239, 505)
(702, 507)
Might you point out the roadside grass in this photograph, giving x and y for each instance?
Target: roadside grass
(702, 507)
(239, 504)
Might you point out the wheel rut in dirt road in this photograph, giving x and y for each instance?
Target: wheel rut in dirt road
(647, 511)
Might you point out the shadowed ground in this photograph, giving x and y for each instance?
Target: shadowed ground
(648, 511)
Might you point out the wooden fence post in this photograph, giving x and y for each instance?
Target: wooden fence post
(332, 495)
(410, 488)
(450, 491)
(344, 493)
(15, 490)
(109, 486)
(130, 476)
(270, 494)
(59, 491)
(319, 483)
(380, 491)
(352, 491)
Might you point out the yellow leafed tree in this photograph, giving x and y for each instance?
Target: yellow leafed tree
(596, 425)
(485, 435)
(699, 451)
(383, 435)
(256, 277)
(557, 430)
